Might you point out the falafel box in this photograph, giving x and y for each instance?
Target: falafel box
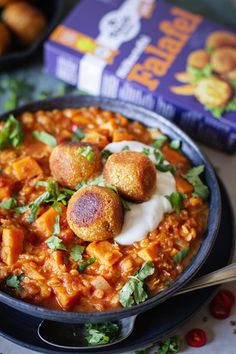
(155, 55)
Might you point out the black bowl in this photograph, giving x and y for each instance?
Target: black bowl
(189, 148)
(52, 9)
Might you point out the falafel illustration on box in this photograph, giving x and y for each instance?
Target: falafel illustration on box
(155, 55)
(210, 74)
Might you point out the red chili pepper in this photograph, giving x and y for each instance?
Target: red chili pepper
(225, 297)
(219, 311)
(196, 338)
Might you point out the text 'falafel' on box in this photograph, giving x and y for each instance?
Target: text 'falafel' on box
(156, 55)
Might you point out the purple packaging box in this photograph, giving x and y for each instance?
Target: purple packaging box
(155, 55)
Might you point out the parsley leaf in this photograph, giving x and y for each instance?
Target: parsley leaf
(192, 176)
(125, 148)
(78, 135)
(105, 154)
(45, 138)
(14, 281)
(133, 292)
(87, 152)
(93, 182)
(77, 253)
(169, 346)
(55, 243)
(8, 203)
(146, 151)
(34, 206)
(11, 134)
(162, 165)
(175, 144)
(159, 142)
(102, 333)
(181, 255)
(81, 267)
(176, 200)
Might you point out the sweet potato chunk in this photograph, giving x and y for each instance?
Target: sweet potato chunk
(65, 300)
(149, 253)
(183, 186)
(104, 251)
(5, 192)
(26, 168)
(45, 223)
(31, 272)
(56, 260)
(12, 245)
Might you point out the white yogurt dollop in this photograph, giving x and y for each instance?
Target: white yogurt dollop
(144, 217)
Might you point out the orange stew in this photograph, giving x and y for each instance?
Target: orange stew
(72, 274)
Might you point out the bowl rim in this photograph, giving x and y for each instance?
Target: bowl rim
(189, 147)
(8, 59)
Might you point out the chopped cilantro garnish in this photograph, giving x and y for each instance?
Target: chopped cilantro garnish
(105, 154)
(77, 253)
(175, 144)
(78, 135)
(87, 152)
(8, 203)
(169, 346)
(159, 142)
(11, 134)
(55, 243)
(146, 151)
(45, 138)
(181, 255)
(192, 176)
(101, 333)
(14, 281)
(53, 195)
(161, 164)
(176, 200)
(93, 182)
(83, 266)
(125, 148)
(133, 292)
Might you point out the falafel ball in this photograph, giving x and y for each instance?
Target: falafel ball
(95, 213)
(198, 59)
(132, 173)
(5, 39)
(72, 163)
(213, 92)
(224, 60)
(25, 21)
(219, 39)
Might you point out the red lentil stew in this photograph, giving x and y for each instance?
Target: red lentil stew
(43, 259)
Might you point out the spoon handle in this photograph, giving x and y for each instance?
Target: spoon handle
(223, 275)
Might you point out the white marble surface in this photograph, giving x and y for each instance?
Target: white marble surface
(221, 339)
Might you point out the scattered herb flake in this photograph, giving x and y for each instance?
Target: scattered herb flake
(162, 165)
(78, 135)
(192, 176)
(133, 292)
(11, 133)
(105, 154)
(125, 148)
(77, 253)
(93, 182)
(83, 266)
(146, 151)
(159, 142)
(181, 255)
(176, 200)
(175, 144)
(87, 152)
(8, 203)
(123, 201)
(14, 281)
(55, 243)
(101, 333)
(45, 138)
